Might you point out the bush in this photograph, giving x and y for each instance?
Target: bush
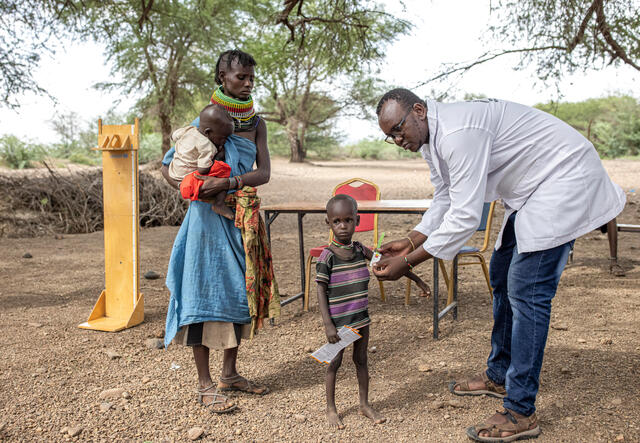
(150, 148)
(376, 149)
(17, 154)
(612, 123)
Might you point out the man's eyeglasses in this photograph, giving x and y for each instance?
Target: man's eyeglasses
(395, 131)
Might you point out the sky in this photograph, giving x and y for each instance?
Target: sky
(441, 34)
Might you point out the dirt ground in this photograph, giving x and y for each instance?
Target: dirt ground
(52, 373)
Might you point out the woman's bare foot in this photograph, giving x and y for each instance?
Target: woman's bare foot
(368, 411)
(334, 419)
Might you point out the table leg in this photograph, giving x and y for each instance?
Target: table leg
(301, 251)
(269, 217)
(267, 225)
(455, 287)
(435, 298)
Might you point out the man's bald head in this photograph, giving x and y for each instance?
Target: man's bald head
(216, 124)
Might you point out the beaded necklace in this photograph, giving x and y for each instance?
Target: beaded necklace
(336, 243)
(244, 116)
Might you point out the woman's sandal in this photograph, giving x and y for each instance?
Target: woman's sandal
(231, 384)
(218, 399)
(522, 429)
(492, 389)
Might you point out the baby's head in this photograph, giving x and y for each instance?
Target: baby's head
(342, 217)
(216, 124)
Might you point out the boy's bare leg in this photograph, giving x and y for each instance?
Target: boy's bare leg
(220, 208)
(360, 348)
(330, 386)
(426, 291)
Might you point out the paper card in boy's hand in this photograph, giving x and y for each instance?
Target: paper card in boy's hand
(375, 259)
(328, 352)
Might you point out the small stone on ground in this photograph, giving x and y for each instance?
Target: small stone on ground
(154, 343)
(112, 393)
(195, 433)
(151, 275)
(75, 431)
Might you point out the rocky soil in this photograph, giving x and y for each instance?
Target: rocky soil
(61, 383)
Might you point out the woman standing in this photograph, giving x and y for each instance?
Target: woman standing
(206, 277)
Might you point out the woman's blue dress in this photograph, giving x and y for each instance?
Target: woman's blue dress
(206, 275)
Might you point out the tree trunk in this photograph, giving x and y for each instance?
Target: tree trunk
(165, 128)
(296, 143)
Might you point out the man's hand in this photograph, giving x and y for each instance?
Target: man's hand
(211, 186)
(332, 333)
(396, 248)
(390, 268)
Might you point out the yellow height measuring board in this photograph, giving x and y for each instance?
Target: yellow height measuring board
(120, 305)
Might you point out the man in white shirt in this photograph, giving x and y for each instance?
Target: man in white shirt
(554, 189)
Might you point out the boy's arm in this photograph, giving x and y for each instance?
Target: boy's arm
(368, 253)
(323, 304)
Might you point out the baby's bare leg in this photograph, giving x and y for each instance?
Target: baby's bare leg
(220, 208)
(362, 370)
(426, 291)
(330, 386)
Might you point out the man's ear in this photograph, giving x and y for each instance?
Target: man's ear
(357, 220)
(420, 110)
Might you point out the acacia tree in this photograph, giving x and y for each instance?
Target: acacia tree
(310, 77)
(558, 36)
(163, 51)
(27, 30)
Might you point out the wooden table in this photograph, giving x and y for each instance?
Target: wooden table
(301, 208)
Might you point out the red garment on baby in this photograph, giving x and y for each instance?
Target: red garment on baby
(190, 185)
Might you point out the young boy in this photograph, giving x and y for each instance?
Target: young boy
(201, 151)
(343, 280)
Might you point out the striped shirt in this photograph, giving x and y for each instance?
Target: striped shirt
(347, 282)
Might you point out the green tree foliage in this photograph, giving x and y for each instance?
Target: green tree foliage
(612, 123)
(27, 30)
(163, 51)
(307, 79)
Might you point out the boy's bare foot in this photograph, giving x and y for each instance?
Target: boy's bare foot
(224, 211)
(425, 291)
(368, 411)
(334, 419)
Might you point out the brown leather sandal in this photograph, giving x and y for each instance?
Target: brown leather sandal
(522, 429)
(241, 384)
(220, 404)
(492, 389)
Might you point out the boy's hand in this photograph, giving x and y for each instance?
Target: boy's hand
(332, 334)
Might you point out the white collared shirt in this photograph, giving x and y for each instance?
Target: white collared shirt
(489, 149)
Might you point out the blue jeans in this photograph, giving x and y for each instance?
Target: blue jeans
(523, 287)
